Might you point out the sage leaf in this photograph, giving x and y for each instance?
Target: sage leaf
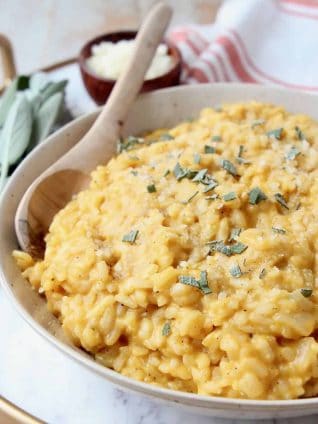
(45, 118)
(53, 88)
(38, 82)
(15, 135)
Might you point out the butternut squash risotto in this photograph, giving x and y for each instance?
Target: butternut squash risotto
(190, 261)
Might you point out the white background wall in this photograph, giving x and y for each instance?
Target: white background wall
(46, 31)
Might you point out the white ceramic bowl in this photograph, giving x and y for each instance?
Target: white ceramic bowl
(163, 108)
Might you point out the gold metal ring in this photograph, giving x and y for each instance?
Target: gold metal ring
(11, 414)
(7, 61)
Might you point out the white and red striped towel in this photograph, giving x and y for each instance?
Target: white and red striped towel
(260, 41)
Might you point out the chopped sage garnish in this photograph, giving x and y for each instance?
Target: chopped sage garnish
(151, 188)
(166, 137)
(279, 230)
(166, 173)
(229, 196)
(228, 250)
(199, 177)
(216, 138)
(201, 284)
(256, 195)
(236, 271)
(262, 273)
(196, 158)
(306, 292)
(180, 172)
(281, 200)
(210, 186)
(300, 134)
(128, 143)
(235, 233)
(166, 329)
(209, 149)
(292, 153)
(239, 158)
(258, 122)
(238, 248)
(229, 167)
(131, 236)
(277, 133)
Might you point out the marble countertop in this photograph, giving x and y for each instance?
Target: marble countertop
(40, 379)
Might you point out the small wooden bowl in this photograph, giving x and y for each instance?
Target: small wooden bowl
(100, 88)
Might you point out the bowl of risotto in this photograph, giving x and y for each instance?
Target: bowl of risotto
(186, 271)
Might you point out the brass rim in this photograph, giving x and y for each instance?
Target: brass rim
(16, 413)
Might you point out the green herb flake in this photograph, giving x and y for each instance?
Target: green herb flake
(281, 200)
(235, 233)
(279, 230)
(135, 173)
(190, 198)
(292, 153)
(229, 196)
(258, 122)
(262, 274)
(239, 157)
(306, 292)
(131, 236)
(180, 172)
(220, 246)
(188, 281)
(209, 149)
(199, 177)
(238, 248)
(300, 134)
(236, 271)
(229, 167)
(277, 133)
(166, 137)
(166, 329)
(196, 158)
(210, 186)
(166, 173)
(201, 284)
(216, 138)
(128, 143)
(256, 195)
(151, 188)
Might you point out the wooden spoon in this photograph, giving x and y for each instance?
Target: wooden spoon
(53, 189)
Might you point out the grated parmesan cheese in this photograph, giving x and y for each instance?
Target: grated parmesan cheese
(109, 59)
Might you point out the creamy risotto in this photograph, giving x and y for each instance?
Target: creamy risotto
(190, 262)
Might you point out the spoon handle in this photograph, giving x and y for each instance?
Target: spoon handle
(99, 143)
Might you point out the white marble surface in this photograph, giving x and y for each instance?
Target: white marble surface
(40, 379)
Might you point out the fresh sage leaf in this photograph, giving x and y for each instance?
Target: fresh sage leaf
(38, 82)
(45, 118)
(15, 135)
(53, 88)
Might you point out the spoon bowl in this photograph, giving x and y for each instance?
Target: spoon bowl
(52, 190)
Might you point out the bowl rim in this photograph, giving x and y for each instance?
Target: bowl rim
(204, 402)
(130, 34)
